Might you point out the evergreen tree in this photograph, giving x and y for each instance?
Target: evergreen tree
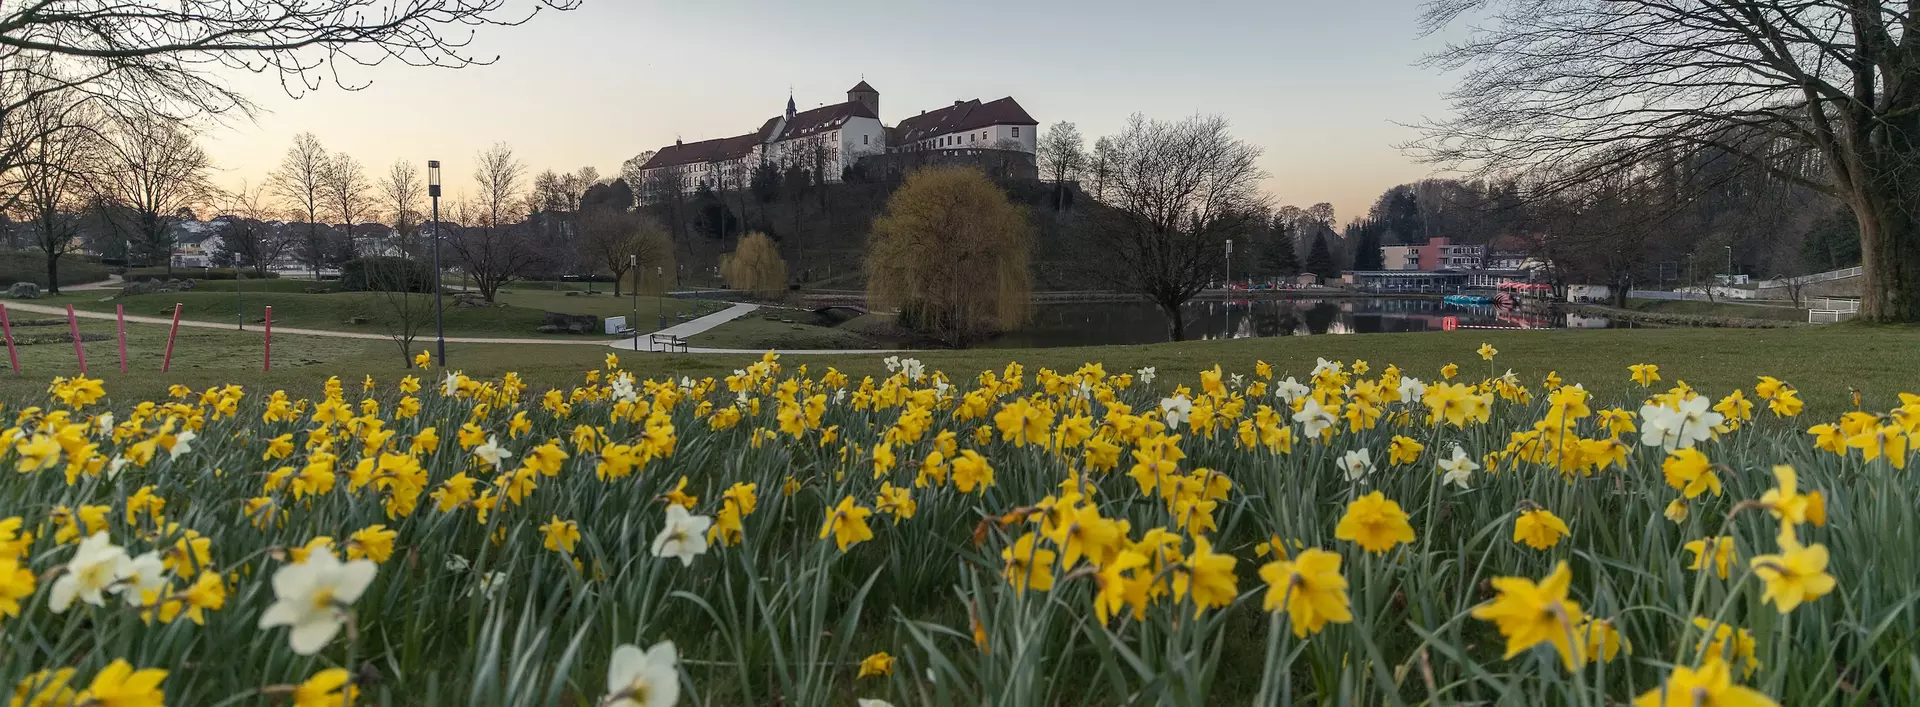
(1366, 249)
(1320, 260)
(1278, 258)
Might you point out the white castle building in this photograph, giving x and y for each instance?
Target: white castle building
(829, 139)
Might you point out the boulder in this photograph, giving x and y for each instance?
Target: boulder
(359, 319)
(571, 323)
(24, 290)
(548, 329)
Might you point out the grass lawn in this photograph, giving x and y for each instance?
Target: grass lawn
(1719, 309)
(1824, 362)
(519, 319)
(755, 331)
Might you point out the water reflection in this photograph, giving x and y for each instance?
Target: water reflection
(1100, 323)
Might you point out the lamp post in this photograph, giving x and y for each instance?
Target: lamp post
(1229, 283)
(659, 311)
(439, 321)
(633, 263)
(1729, 263)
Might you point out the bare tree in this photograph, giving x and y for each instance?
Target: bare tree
(613, 240)
(157, 173)
(1100, 164)
(248, 236)
(493, 246)
(1178, 191)
(55, 174)
(344, 183)
(301, 183)
(402, 189)
(1811, 91)
(1062, 155)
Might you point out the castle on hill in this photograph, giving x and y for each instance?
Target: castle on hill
(830, 140)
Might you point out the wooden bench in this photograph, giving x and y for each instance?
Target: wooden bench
(666, 342)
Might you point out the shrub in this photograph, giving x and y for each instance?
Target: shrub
(160, 273)
(756, 266)
(31, 266)
(385, 274)
(951, 253)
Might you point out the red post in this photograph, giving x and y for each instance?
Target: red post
(73, 325)
(268, 365)
(13, 356)
(167, 361)
(121, 310)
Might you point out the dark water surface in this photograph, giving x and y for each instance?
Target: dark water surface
(1102, 323)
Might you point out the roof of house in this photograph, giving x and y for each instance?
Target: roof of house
(725, 148)
(862, 86)
(822, 119)
(960, 117)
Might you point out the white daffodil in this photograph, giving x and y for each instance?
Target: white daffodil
(1672, 429)
(684, 537)
(490, 584)
(839, 396)
(893, 363)
(1176, 410)
(140, 576)
(1355, 464)
(182, 443)
(866, 702)
(1237, 380)
(1510, 378)
(1411, 389)
(940, 389)
(491, 452)
(622, 388)
(1459, 469)
(1145, 375)
(105, 422)
(643, 679)
(1289, 390)
(94, 569)
(457, 563)
(1313, 418)
(451, 384)
(311, 596)
(913, 368)
(1322, 365)
(118, 463)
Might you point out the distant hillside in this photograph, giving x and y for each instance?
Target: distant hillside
(822, 230)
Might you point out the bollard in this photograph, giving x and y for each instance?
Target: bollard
(167, 360)
(73, 325)
(6, 327)
(268, 364)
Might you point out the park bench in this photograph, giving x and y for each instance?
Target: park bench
(666, 342)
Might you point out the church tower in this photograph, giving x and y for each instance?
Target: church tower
(865, 95)
(790, 110)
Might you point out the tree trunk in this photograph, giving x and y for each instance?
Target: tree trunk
(53, 273)
(1176, 321)
(1890, 258)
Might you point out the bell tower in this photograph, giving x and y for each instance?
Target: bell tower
(865, 95)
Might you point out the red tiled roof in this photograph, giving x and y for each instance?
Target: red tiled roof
(725, 148)
(822, 119)
(960, 117)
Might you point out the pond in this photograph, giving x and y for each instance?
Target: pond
(1102, 323)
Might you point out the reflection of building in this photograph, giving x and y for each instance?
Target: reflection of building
(1436, 254)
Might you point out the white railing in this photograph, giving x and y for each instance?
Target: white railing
(1827, 276)
(1850, 306)
(1828, 316)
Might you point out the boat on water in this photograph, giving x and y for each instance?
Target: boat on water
(1467, 300)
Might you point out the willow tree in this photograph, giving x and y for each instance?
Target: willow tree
(756, 266)
(952, 254)
(1820, 93)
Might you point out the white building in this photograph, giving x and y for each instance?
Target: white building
(829, 139)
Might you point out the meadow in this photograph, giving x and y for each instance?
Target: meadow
(1349, 532)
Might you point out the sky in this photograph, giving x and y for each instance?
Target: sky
(1325, 87)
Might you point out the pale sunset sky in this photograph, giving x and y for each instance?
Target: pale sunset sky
(1320, 84)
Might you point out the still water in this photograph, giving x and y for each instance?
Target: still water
(1100, 323)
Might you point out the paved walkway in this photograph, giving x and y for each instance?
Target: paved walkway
(296, 331)
(703, 324)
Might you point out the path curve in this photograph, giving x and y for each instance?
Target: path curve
(702, 324)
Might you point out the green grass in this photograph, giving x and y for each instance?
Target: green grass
(31, 266)
(519, 319)
(1824, 362)
(1719, 309)
(754, 331)
(277, 284)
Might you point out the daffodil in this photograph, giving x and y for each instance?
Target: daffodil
(1539, 529)
(1718, 550)
(847, 524)
(1375, 523)
(95, 568)
(311, 598)
(1710, 685)
(684, 537)
(1309, 588)
(649, 678)
(327, 688)
(1785, 501)
(1028, 566)
(1797, 574)
(876, 665)
(1529, 613)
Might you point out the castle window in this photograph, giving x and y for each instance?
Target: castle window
(863, 139)
(1016, 131)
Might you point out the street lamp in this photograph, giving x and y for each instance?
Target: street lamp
(1229, 270)
(1729, 263)
(633, 263)
(439, 320)
(659, 309)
